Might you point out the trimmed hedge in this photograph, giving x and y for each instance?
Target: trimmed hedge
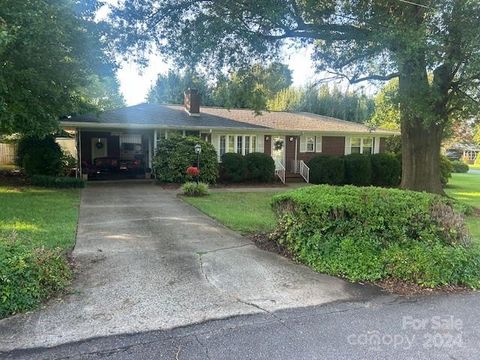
(459, 167)
(358, 169)
(386, 170)
(40, 156)
(233, 168)
(369, 234)
(60, 182)
(260, 167)
(326, 169)
(29, 276)
(176, 154)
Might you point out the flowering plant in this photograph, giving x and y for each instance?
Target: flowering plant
(193, 171)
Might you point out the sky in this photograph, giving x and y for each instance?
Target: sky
(135, 82)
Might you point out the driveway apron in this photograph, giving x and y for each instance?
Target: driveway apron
(145, 260)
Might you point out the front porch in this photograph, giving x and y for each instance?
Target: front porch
(115, 153)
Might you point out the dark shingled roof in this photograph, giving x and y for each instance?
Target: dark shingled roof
(211, 117)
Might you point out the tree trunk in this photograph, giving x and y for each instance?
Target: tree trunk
(422, 129)
(421, 156)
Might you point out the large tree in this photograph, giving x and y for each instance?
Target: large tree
(357, 39)
(53, 62)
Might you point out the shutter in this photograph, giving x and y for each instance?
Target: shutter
(347, 145)
(303, 144)
(260, 143)
(216, 144)
(318, 144)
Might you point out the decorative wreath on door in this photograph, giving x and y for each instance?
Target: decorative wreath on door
(99, 145)
(278, 145)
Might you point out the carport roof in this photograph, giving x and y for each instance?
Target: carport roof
(158, 115)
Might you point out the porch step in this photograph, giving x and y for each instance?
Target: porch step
(292, 177)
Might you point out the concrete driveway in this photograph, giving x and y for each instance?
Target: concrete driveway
(145, 260)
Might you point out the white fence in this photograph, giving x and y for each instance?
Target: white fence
(7, 154)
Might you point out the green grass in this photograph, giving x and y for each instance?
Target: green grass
(246, 212)
(39, 217)
(466, 188)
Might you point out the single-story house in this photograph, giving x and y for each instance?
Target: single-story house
(133, 133)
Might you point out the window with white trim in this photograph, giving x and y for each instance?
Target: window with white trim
(241, 144)
(360, 145)
(310, 143)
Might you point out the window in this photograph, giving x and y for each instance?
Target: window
(310, 143)
(223, 144)
(367, 146)
(356, 146)
(361, 145)
(239, 144)
(231, 143)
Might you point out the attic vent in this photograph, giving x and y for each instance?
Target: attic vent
(192, 102)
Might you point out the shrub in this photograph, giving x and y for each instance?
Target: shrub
(327, 170)
(57, 182)
(29, 276)
(40, 156)
(446, 169)
(386, 169)
(393, 144)
(68, 163)
(459, 166)
(176, 154)
(233, 168)
(358, 170)
(477, 159)
(373, 233)
(193, 189)
(260, 167)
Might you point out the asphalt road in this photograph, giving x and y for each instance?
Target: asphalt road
(384, 327)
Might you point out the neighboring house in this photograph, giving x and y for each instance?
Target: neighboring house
(290, 138)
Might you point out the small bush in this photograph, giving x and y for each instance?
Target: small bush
(57, 182)
(386, 169)
(29, 276)
(367, 234)
(358, 170)
(194, 189)
(327, 170)
(446, 169)
(260, 167)
(176, 154)
(233, 168)
(459, 166)
(40, 156)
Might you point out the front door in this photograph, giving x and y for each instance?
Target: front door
(99, 148)
(278, 150)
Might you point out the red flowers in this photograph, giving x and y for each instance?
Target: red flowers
(193, 171)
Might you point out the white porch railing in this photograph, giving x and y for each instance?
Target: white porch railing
(304, 171)
(280, 171)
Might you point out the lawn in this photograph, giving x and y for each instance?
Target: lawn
(466, 188)
(39, 217)
(246, 212)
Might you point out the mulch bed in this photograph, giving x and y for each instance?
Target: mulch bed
(12, 178)
(392, 286)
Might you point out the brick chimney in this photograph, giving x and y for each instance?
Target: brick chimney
(192, 102)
